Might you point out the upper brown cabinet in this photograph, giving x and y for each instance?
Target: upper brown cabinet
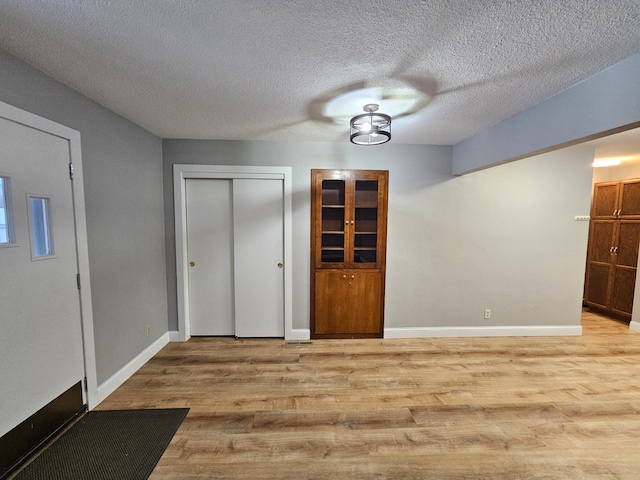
(616, 200)
(348, 252)
(614, 237)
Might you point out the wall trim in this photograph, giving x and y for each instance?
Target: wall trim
(107, 388)
(174, 336)
(488, 331)
(634, 326)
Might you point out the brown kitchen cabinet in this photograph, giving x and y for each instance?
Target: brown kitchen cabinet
(612, 257)
(348, 252)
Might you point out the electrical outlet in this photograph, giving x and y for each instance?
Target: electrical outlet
(148, 330)
(582, 218)
(487, 313)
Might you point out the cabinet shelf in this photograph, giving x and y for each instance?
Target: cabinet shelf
(332, 206)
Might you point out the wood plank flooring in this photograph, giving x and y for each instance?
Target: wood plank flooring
(481, 408)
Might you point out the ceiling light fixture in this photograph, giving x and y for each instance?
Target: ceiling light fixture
(606, 162)
(370, 128)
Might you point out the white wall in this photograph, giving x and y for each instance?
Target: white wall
(503, 238)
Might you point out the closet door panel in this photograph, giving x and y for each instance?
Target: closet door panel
(598, 285)
(630, 199)
(624, 283)
(628, 242)
(258, 224)
(601, 240)
(605, 200)
(209, 252)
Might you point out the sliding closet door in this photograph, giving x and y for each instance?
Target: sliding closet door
(210, 256)
(258, 213)
(235, 251)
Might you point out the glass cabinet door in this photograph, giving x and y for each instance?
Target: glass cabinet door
(365, 233)
(332, 243)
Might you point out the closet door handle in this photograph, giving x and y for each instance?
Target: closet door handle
(615, 250)
(611, 251)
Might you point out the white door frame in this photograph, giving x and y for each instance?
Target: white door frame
(30, 120)
(180, 174)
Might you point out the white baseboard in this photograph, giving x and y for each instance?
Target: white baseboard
(299, 334)
(507, 331)
(174, 336)
(121, 376)
(634, 326)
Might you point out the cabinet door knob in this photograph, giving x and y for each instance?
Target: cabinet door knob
(351, 222)
(280, 265)
(344, 276)
(352, 277)
(192, 264)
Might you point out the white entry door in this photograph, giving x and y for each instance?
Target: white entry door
(235, 255)
(41, 346)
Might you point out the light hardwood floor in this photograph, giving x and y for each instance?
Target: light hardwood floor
(473, 408)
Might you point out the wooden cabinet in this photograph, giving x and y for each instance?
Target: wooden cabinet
(348, 252)
(614, 237)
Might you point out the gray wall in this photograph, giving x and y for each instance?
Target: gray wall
(503, 238)
(125, 226)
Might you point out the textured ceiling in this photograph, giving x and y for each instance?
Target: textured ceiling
(298, 69)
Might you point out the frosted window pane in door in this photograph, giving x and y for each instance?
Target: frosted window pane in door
(40, 227)
(5, 227)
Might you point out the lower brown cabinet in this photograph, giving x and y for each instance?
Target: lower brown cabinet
(348, 303)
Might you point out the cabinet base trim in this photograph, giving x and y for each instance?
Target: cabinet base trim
(298, 334)
(505, 331)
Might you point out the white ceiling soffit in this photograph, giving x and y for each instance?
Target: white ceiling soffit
(299, 69)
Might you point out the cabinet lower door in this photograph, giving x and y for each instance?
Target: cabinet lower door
(624, 283)
(348, 303)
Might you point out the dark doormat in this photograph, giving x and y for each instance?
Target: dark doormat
(108, 445)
